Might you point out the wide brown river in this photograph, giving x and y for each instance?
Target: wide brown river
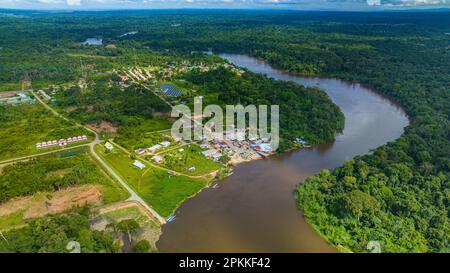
(254, 210)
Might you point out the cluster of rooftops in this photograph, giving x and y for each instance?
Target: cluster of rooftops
(214, 154)
(154, 148)
(15, 98)
(61, 142)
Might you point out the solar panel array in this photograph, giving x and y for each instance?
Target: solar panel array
(170, 90)
(173, 93)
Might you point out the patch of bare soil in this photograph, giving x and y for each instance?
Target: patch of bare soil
(103, 127)
(70, 109)
(161, 114)
(42, 204)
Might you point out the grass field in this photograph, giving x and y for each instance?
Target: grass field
(24, 126)
(190, 157)
(143, 135)
(12, 220)
(10, 86)
(160, 190)
(156, 124)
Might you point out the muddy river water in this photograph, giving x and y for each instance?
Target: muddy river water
(254, 210)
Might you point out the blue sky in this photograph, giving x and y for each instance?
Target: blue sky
(292, 4)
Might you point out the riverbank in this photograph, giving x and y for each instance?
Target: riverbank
(252, 210)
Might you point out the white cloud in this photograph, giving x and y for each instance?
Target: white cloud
(219, 3)
(45, 2)
(374, 2)
(73, 2)
(409, 3)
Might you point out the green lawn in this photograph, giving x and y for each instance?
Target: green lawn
(190, 157)
(12, 220)
(160, 190)
(143, 135)
(131, 213)
(10, 86)
(24, 126)
(157, 124)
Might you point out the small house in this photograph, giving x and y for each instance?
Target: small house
(209, 152)
(263, 147)
(165, 144)
(139, 164)
(139, 151)
(109, 146)
(157, 158)
(154, 148)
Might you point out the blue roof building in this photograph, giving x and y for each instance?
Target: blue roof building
(170, 90)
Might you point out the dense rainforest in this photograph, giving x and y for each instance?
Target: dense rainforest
(305, 112)
(399, 195)
(51, 234)
(104, 100)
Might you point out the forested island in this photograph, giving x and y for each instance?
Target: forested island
(399, 194)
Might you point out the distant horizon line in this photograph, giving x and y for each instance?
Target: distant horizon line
(380, 9)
